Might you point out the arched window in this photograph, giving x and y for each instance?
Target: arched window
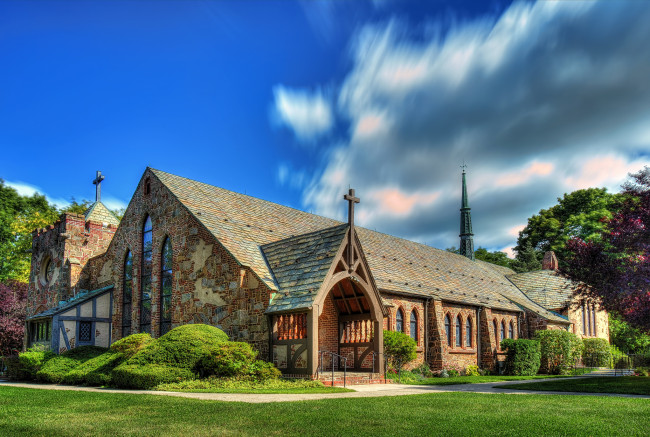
(511, 331)
(127, 294)
(448, 329)
(145, 282)
(166, 288)
(414, 326)
(503, 330)
(459, 335)
(494, 327)
(468, 332)
(399, 321)
(593, 319)
(584, 319)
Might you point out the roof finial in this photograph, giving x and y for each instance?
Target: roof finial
(98, 189)
(466, 235)
(351, 201)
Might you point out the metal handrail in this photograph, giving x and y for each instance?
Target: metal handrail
(374, 357)
(332, 355)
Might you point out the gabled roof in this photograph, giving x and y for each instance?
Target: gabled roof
(244, 224)
(99, 213)
(300, 265)
(65, 305)
(546, 287)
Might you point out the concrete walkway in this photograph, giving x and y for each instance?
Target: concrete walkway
(361, 391)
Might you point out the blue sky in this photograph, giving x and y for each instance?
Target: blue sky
(294, 101)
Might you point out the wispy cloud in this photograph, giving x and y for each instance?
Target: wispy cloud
(25, 189)
(307, 113)
(547, 98)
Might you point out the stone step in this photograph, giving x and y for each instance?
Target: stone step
(351, 378)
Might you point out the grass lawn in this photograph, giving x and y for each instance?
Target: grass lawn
(633, 385)
(475, 379)
(49, 412)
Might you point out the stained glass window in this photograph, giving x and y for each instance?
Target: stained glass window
(127, 294)
(459, 335)
(468, 332)
(399, 321)
(503, 330)
(511, 331)
(145, 283)
(85, 331)
(448, 329)
(166, 289)
(414, 326)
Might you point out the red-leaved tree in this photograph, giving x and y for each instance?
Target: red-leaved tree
(616, 268)
(13, 302)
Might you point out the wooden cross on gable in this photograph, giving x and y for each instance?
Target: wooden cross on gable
(351, 201)
(98, 189)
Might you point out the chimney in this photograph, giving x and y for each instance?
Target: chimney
(550, 261)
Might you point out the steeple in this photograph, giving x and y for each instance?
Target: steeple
(466, 235)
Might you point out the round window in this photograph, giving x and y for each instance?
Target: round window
(47, 271)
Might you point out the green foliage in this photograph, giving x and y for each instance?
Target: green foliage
(235, 359)
(472, 371)
(55, 369)
(523, 357)
(596, 352)
(399, 349)
(28, 364)
(239, 385)
(147, 376)
(181, 347)
(129, 346)
(496, 257)
(559, 349)
(528, 259)
(95, 371)
(578, 214)
(626, 338)
(453, 373)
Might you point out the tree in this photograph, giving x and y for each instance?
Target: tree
(615, 268)
(527, 259)
(626, 338)
(496, 257)
(581, 214)
(13, 301)
(399, 349)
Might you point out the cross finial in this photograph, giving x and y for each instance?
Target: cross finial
(351, 201)
(98, 189)
(464, 166)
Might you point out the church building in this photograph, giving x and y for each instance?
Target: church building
(306, 291)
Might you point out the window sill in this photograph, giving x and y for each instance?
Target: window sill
(463, 351)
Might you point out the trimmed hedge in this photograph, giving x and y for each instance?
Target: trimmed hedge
(560, 350)
(129, 346)
(235, 359)
(56, 368)
(523, 357)
(596, 352)
(148, 376)
(26, 365)
(96, 371)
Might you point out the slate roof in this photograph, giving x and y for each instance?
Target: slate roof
(65, 305)
(246, 225)
(99, 213)
(546, 287)
(300, 265)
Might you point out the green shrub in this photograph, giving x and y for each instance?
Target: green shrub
(560, 350)
(96, 371)
(226, 360)
(523, 357)
(472, 371)
(424, 370)
(453, 373)
(643, 371)
(399, 349)
(596, 352)
(264, 371)
(181, 347)
(147, 376)
(214, 383)
(129, 346)
(55, 369)
(27, 364)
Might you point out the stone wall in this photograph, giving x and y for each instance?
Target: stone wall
(68, 244)
(208, 284)
(407, 305)
(454, 356)
(575, 314)
(328, 330)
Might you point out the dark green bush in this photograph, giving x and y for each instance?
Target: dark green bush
(55, 369)
(96, 371)
(399, 349)
(523, 357)
(596, 352)
(264, 371)
(560, 350)
(129, 346)
(181, 347)
(27, 364)
(148, 376)
(226, 360)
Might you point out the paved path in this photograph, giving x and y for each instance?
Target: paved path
(361, 391)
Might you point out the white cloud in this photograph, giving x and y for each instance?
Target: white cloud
(308, 114)
(113, 203)
(547, 98)
(25, 189)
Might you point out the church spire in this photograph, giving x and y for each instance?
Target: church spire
(466, 235)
